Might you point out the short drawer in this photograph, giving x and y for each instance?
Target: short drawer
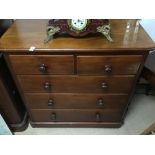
(76, 115)
(76, 84)
(42, 64)
(75, 101)
(107, 65)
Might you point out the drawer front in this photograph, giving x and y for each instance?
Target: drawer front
(75, 115)
(75, 101)
(76, 84)
(42, 64)
(105, 65)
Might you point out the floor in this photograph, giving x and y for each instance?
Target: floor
(4, 130)
(141, 114)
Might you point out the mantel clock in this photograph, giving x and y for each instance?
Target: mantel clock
(78, 27)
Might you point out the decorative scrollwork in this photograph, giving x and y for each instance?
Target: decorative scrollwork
(105, 30)
(51, 31)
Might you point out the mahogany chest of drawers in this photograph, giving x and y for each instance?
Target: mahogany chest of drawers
(69, 82)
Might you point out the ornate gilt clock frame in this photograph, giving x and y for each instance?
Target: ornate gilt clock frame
(64, 25)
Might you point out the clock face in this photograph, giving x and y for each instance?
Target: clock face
(79, 24)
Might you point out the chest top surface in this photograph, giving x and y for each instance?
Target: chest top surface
(126, 35)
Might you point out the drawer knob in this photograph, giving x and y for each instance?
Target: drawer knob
(100, 102)
(50, 103)
(108, 68)
(47, 85)
(98, 117)
(104, 85)
(43, 68)
(53, 116)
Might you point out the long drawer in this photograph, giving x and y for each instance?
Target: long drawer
(107, 65)
(95, 115)
(76, 84)
(42, 64)
(75, 101)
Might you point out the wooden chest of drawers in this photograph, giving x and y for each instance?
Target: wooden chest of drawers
(86, 88)
(70, 82)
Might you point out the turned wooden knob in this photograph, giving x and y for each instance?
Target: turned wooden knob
(53, 116)
(108, 68)
(98, 117)
(43, 68)
(100, 102)
(104, 85)
(50, 102)
(47, 85)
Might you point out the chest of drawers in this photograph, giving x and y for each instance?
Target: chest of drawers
(70, 82)
(75, 89)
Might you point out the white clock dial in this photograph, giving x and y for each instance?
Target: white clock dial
(79, 24)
